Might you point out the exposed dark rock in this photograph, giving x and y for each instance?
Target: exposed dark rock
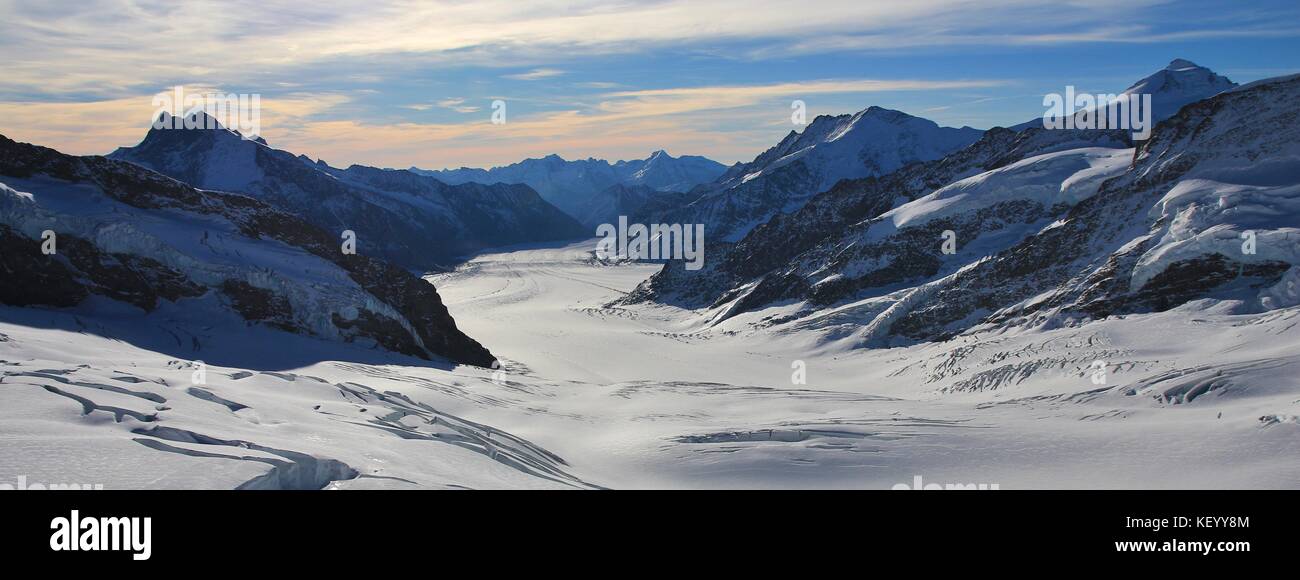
(136, 280)
(29, 278)
(81, 268)
(382, 329)
(259, 305)
(78, 269)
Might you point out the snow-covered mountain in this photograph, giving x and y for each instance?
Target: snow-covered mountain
(663, 172)
(415, 221)
(1049, 229)
(874, 141)
(1171, 262)
(1180, 83)
(180, 269)
(582, 188)
(625, 200)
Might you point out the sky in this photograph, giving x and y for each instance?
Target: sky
(406, 83)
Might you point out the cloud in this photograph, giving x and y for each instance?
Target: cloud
(98, 127)
(110, 48)
(728, 122)
(88, 68)
(568, 133)
(457, 104)
(655, 102)
(535, 74)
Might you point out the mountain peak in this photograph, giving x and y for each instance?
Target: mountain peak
(1178, 84)
(198, 119)
(889, 115)
(1183, 75)
(1171, 88)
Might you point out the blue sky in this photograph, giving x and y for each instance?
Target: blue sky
(410, 83)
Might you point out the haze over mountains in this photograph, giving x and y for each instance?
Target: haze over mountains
(590, 189)
(729, 200)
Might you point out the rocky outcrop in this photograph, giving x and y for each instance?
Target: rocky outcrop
(256, 283)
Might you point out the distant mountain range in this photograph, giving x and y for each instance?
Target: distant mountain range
(590, 189)
(1051, 227)
(415, 221)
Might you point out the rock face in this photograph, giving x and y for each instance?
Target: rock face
(588, 189)
(1049, 227)
(414, 221)
(137, 237)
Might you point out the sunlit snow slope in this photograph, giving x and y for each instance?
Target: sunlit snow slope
(591, 396)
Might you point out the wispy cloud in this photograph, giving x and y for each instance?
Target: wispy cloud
(535, 74)
(653, 102)
(67, 48)
(620, 124)
(620, 78)
(98, 127)
(458, 105)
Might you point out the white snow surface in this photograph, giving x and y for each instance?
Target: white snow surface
(647, 397)
(1063, 177)
(207, 249)
(873, 141)
(1206, 217)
